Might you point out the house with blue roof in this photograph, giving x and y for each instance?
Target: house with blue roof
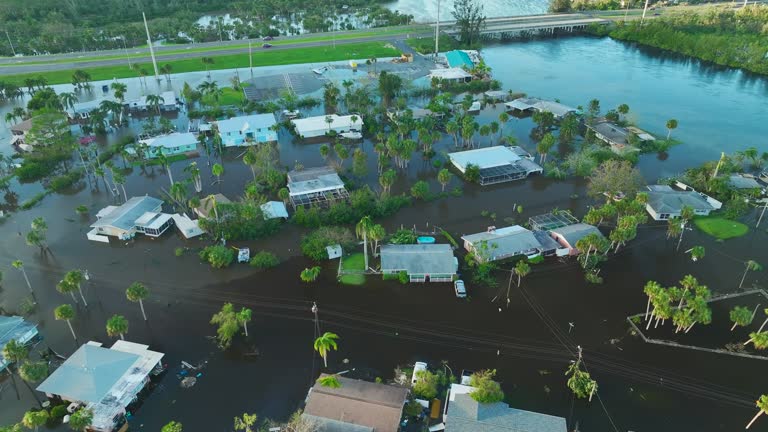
(459, 59)
(15, 328)
(247, 130)
(467, 415)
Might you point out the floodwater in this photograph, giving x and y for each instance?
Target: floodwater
(427, 10)
(385, 324)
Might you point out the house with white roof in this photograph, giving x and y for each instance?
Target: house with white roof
(450, 75)
(311, 127)
(506, 242)
(169, 144)
(104, 380)
(247, 130)
(421, 262)
(496, 164)
(167, 103)
(539, 105)
(315, 186)
(82, 110)
(137, 215)
(18, 329)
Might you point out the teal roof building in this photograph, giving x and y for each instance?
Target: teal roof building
(459, 59)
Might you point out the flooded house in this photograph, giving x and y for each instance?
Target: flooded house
(421, 262)
(619, 138)
(501, 243)
(312, 127)
(248, 130)
(529, 105)
(18, 329)
(567, 236)
(137, 215)
(104, 380)
(665, 202)
(356, 406)
(450, 75)
(167, 103)
(315, 186)
(497, 164)
(169, 145)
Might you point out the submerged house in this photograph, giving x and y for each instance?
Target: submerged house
(105, 380)
(567, 236)
(497, 164)
(206, 208)
(167, 103)
(312, 127)
(502, 243)
(137, 215)
(664, 202)
(618, 137)
(421, 262)
(528, 105)
(450, 75)
(19, 133)
(169, 144)
(247, 130)
(465, 414)
(315, 186)
(18, 329)
(82, 110)
(356, 406)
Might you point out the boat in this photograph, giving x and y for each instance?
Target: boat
(474, 107)
(291, 114)
(425, 240)
(353, 135)
(320, 70)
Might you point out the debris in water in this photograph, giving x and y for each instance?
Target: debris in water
(188, 382)
(543, 372)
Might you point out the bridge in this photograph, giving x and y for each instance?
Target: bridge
(510, 27)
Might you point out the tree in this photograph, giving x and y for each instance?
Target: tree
(444, 177)
(68, 100)
(34, 371)
(486, 389)
(75, 279)
(580, 382)
(325, 151)
(420, 190)
(470, 19)
(14, 352)
(81, 419)
(173, 426)
(544, 146)
(245, 422)
(166, 70)
(615, 177)
(361, 230)
(249, 158)
(324, 344)
(119, 90)
(137, 292)
(697, 253)
(425, 386)
(521, 270)
(194, 173)
(623, 109)
(66, 313)
(759, 340)
(389, 86)
(155, 102)
(284, 194)
(330, 381)
(310, 274)
(762, 405)
(207, 62)
(17, 264)
(750, 266)
(741, 316)
(377, 234)
(117, 326)
(228, 323)
(34, 419)
(671, 124)
(218, 171)
(387, 179)
(163, 161)
(558, 6)
(244, 317)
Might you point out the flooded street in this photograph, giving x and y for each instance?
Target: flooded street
(383, 324)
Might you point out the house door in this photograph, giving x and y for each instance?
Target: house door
(426, 278)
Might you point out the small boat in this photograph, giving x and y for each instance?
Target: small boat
(291, 114)
(320, 70)
(243, 255)
(474, 107)
(353, 135)
(425, 240)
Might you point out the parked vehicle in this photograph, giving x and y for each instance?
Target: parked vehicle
(458, 286)
(266, 45)
(268, 38)
(418, 366)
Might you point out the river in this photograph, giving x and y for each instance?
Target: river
(384, 324)
(426, 10)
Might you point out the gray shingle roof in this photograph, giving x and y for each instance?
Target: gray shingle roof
(467, 415)
(418, 258)
(505, 242)
(125, 216)
(329, 425)
(313, 180)
(574, 233)
(672, 201)
(14, 328)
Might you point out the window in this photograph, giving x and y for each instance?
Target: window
(664, 216)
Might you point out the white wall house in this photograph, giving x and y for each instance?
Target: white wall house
(311, 127)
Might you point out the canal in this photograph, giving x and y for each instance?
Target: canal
(385, 324)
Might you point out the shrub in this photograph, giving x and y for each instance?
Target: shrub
(486, 389)
(314, 244)
(420, 190)
(402, 276)
(28, 204)
(218, 256)
(264, 260)
(240, 221)
(81, 209)
(178, 251)
(64, 181)
(472, 173)
(426, 385)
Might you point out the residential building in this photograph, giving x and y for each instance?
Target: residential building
(167, 103)
(315, 186)
(248, 130)
(105, 380)
(421, 262)
(567, 236)
(137, 215)
(502, 243)
(459, 59)
(465, 414)
(169, 144)
(356, 406)
(533, 104)
(664, 202)
(19, 133)
(205, 209)
(82, 110)
(744, 181)
(450, 75)
(18, 329)
(312, 127)
(497, 164)
(274, 210)
(618, 137)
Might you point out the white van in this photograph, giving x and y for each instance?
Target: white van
(418, 366)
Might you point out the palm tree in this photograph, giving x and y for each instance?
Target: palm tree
(68, 100)
(137, 292)
(33, 372)
(671, 124)
(119, 179)
(452, 128)
(35, 419)
(143, 74)
(623, 109)
(444, 177)
(326, 343)
(154, 101)
(119, 89)
(250, 159)
(387, 179)
(81, 419)
(759, 339)
(741, 316)
(521, 270)
(762, 405)
(284, 194)
(194, 172)
(117, 326)
(17, 264)
(244, 317)
(750, 266)
(14, 352)
(76, 278)
(173, 426)
(377, 234)
(310, 274)
(245, 422)
(66, 313)
(218, 170)
(207, 61)
(165, 164)
(361, 230)
(651, 289)
(67, 287)
(544, 146)
(166, 70)
(686, 215)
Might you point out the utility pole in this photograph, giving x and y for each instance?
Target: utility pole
(125, 47)
(10, 43)
(151, 49)
(645, 8)
(250, 57)
(437, 31)
(762, 213)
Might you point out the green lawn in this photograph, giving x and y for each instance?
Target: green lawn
(353, 262)
(260, 58)
(229, 96)
(721, 228)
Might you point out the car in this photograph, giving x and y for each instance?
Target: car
(268, 38)
(417, 367)
(266, 45)
(458, 286)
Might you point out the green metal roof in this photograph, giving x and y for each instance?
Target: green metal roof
(459, 59)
